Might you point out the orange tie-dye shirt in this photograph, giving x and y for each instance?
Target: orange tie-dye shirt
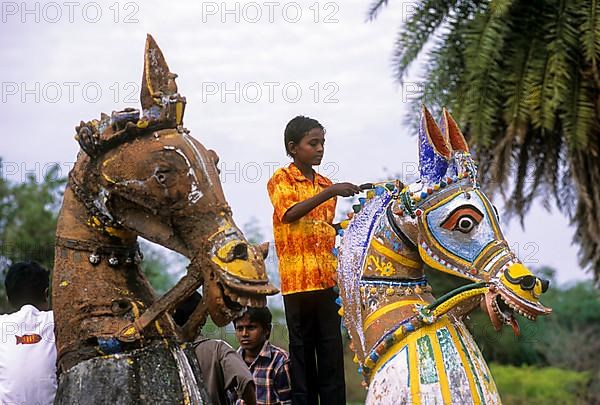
(306, 262)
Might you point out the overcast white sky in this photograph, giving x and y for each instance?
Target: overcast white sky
(246, 68)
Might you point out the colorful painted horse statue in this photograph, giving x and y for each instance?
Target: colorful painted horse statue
(411, 347)
(144, 175)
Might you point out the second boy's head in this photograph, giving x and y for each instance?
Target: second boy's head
(253, 328)
(304, 139)
(27, 283)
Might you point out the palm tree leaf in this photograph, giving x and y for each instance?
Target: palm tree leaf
(483, 62)
(418, 29)
(375, 8)
(590, 30)
(500, 7)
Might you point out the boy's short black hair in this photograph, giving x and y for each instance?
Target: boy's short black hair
(26, 283)
(297, 128)
(261, 316)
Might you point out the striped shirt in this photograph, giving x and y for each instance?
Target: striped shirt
(271, 373)
(306, 262)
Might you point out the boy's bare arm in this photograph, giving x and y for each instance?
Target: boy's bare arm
(304, 207)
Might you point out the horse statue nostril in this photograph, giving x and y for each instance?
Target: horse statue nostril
(240, 252)
(545, 285)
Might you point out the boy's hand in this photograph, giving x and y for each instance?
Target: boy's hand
(344, 189)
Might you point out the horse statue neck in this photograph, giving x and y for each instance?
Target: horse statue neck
(384, 241)
(87, 250)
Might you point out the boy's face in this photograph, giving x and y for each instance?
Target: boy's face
(251, 335)
(310, 148)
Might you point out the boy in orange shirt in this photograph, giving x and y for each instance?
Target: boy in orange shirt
(304, 206)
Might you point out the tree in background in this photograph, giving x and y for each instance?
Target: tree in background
(28, 213)
(155, 268)
(522, 79)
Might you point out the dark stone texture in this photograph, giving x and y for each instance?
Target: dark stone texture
(145, 376)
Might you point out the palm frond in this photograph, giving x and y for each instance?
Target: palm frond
(418, 29)
(500, 7)
(483, 64)
(578, 114)
(375, 8)
(516, 111)
(590, 30)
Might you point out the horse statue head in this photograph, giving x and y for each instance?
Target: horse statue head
(443, 221)
(143, 174)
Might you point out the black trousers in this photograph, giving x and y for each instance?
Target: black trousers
(316, 352)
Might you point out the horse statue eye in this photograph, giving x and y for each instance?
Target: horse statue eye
(463, 219)
(465, 224)
(161, 174)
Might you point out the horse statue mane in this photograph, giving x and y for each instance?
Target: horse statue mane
(143, 174)
(411, 347)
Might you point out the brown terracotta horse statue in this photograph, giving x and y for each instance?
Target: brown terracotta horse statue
(144, 175)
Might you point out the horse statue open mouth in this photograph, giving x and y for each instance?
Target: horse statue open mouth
(143, 174)
(411, 347)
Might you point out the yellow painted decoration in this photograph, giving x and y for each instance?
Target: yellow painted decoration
(439, 365)
(104, 175)
(118, 233)
(240, 268)
(390, 307)
(158, 328)
(344, 224)
(129, 331)
(64, 283)
(341, 311)
(454, 301)
(518, 270)
(179, 112)
(383, 268)
(135, 309)
(414, 376)
(403, 260)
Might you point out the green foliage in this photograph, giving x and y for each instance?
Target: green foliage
(532, 385)
(522, 79)
(28, 214)
(154, 266)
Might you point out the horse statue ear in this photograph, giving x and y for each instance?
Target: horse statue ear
(434, 150)
(159, 91)
(452, 132)
(462, 162)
